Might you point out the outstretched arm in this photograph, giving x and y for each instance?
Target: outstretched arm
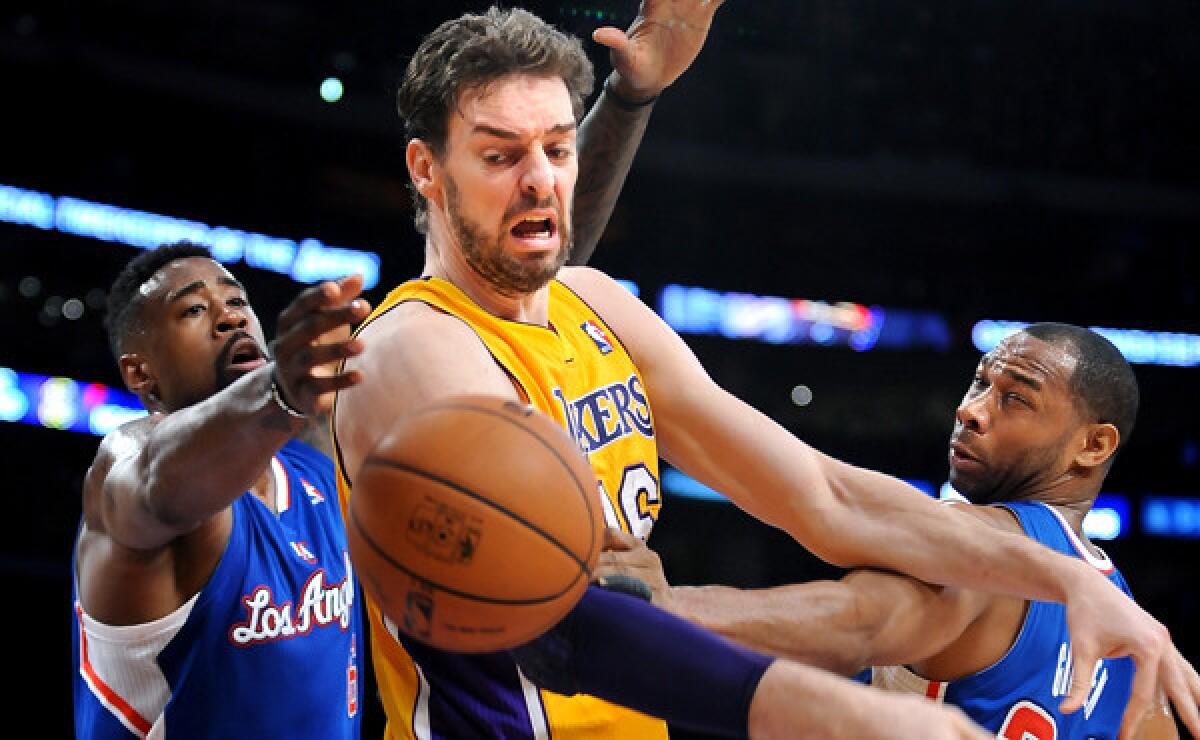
(867, 618)
(659, 46)
(164, 475)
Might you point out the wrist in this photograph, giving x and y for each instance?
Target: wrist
(618, 90)
(281, 401)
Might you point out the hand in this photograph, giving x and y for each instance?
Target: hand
(312, 338)
(626, 555)
(1104, 623)
(1180, 683)
(661, 43)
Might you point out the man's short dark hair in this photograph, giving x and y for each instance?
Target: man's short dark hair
(475, 50)
(1103, 383)
(125, 300)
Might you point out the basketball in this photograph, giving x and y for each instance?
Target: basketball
(475, 524)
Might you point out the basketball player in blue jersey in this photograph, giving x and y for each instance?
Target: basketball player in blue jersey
(1034, 438)
(213, 592)
(491, 104)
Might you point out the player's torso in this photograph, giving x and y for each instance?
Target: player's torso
(577, 372)
(1018, 697)
(269, 645)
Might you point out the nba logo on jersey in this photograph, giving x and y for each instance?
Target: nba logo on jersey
(603, 343)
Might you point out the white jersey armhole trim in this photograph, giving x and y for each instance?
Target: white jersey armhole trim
(1103, 564)
(119, 663)
(283, 494)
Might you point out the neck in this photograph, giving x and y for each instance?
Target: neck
(1071, 497)
(447, 262)
(264, 487)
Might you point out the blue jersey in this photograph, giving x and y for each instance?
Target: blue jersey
(268, 648)
(1018, 697)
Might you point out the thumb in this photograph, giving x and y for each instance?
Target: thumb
(621, 541)
(613, 38)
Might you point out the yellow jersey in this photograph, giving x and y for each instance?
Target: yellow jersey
(576, 371)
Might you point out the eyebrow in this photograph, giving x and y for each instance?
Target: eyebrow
(198, 284)
(1023, 378)
(500, 133)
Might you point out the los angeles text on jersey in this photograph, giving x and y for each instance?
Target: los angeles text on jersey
(606, 414)
(320, 606)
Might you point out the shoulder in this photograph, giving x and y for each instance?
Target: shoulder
(587, 280)
(419, 324)
(995, 516)
(119, 447)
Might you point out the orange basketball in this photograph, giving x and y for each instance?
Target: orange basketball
(475, 524)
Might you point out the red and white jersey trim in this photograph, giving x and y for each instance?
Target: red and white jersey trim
(119, 665)
(899, 678)
(283, 493)
(1102, 564)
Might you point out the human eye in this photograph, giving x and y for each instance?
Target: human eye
(194, 309)
(494, 157)
(238, 301)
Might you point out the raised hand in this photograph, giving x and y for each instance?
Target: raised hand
(661, 43)
(312, 337)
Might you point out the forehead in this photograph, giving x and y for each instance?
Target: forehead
(518, 103)
(1051, 363)
(180, 273)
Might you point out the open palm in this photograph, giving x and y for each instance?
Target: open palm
(663, 40)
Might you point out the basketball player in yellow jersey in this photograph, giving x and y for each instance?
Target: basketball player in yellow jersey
(491, 104)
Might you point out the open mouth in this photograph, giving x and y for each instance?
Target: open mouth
(244, 353)
(535, 228)
(960, 454)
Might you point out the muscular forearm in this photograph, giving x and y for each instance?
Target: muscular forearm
(200, 458)
(608, 139)
(818, 624)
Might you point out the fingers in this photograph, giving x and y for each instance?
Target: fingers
(619, 540)
(1145, 678)
(322, 295)
(312, 326)
(613, 38)
(1181, 684)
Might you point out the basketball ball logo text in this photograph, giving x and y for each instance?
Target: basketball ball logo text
(443, 532)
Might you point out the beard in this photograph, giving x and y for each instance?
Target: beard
(1004, 482)
(509, 275)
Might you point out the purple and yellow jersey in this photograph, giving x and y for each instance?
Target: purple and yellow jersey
(576, 371)
(1018, 697)
(268, 648)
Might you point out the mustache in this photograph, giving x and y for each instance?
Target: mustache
(529, 203)
(223, 356)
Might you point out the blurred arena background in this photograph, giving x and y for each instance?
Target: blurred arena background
(838, 206)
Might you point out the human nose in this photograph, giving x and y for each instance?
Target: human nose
(538, 178)
(232, 318)
(972, 412)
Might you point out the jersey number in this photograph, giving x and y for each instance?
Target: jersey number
(639, 502)
(1028, 721)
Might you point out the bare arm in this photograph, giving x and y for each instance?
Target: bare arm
(843, 513)
(608, 140)
(413, 356)
(868, 618)
(657, 48)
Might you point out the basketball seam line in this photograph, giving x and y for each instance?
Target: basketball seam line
(456, 592)
(579, 487)
(471, 494)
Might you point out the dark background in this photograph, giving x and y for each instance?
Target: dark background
(1024, 160)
